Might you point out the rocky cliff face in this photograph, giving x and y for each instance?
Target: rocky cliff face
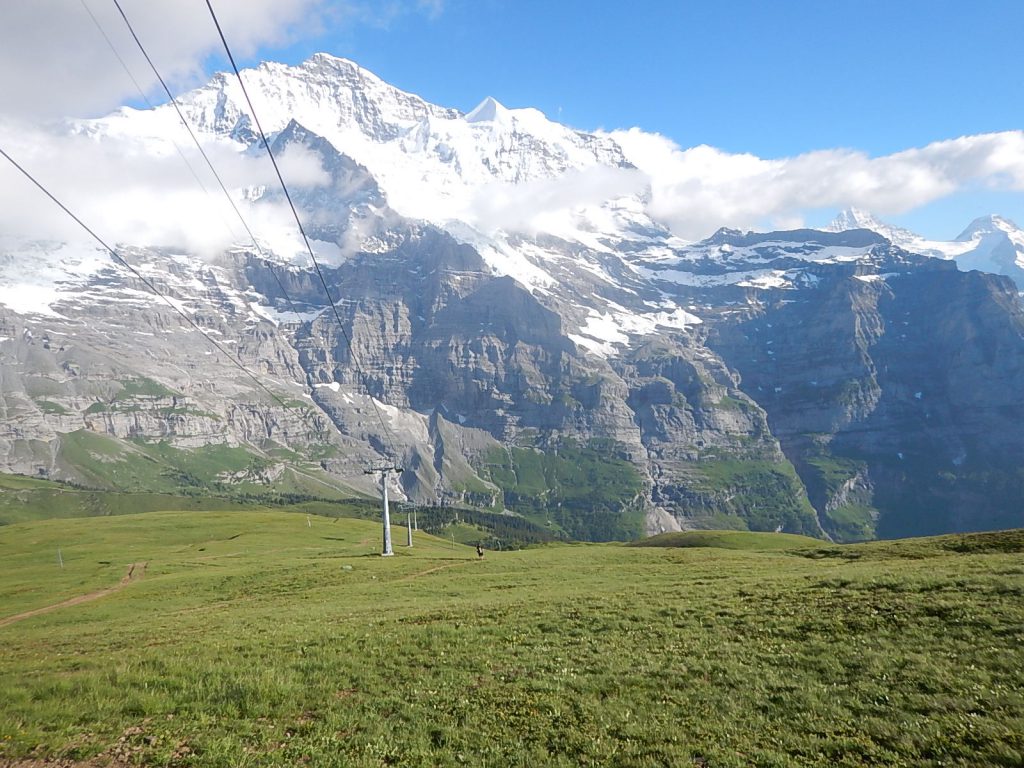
(597, 377)
(891, 404)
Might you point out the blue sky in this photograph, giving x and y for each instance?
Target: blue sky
(810, 106)
(774, 79)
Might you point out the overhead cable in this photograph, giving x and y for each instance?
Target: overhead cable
(199, 146)
(145, 281)
(142, 95)
(266, 144)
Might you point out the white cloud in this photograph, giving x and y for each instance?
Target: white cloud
(694, 191)
(129, 192)
(54, 62)
(532, 206)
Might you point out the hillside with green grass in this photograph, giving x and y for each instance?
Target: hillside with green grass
(23, 499)
(579, 491)
(100, 461)
(282, 639)
(748, 540)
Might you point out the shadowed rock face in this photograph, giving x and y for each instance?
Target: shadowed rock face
(461, 364)
(893, 398)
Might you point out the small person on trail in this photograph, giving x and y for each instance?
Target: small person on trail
(479, 551)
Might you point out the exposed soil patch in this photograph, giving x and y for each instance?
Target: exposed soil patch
(127, 751)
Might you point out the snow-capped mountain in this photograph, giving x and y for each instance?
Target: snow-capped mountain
(515, 328)
(429, 160)
(492, 178)
(996, 245)
(856, 218)
(989, 243)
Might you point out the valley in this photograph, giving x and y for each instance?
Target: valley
(432, 383)
(581, 369)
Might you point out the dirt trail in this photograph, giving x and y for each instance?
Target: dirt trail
(434, 570)
(135, 572)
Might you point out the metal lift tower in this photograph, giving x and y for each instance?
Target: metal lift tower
(407, 508)
(383, 471)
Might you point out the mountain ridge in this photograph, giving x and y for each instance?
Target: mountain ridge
(989, 243)
(556, 355)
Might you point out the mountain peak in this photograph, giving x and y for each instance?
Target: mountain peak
(857, 218)
(489, 110)
(986, 225)
(854, 218)
(330, 60)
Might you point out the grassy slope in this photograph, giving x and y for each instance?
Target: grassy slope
(758, 495)
(730, 540)
(23, 499)
(61, 502)
(586, 491)
(256, 639)
(105, 462)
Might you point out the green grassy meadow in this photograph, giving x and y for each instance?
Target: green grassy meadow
(24, 499)
(267, 638)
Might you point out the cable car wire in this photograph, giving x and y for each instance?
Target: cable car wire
(266, 144)
(209, 163)
(145, 281)
(142, 95)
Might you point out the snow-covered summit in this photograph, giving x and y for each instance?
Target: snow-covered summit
(324, 93)
(429, 160)
(488, 111)
(852, 218)
(995, 245)
(487, 177)
(989, 243)
(988, 225)
(857, 218)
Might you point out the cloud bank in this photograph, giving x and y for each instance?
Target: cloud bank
(136, 192)
(542, 204)
(694, 191)
(129, 194)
